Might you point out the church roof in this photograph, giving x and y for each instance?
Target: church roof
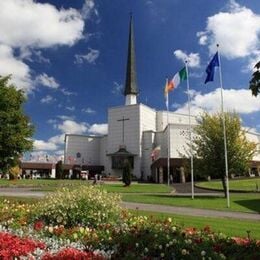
(130, 82)
(122, 152)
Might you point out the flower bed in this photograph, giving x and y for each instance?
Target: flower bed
(13, 246)
(114, 235)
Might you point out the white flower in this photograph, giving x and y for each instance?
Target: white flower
(50, 229)
(203, 253)
(184, 252)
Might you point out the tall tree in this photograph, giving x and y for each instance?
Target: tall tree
(126, 173)
(59, 170)
(15, 127)
(208, 146)
(255, 81)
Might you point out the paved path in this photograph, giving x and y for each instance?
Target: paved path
(28, 192)
(21, 192)
(191, 211)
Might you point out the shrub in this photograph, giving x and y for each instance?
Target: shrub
(86, 205)
(14, 172)
(59, 170)
(127, 173)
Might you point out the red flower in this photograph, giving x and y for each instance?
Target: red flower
(190, 230)
(198, 240)
(58, 231)
(38, 225)
(72, 254)
(12, 246)
(217, 248)
(207, 229)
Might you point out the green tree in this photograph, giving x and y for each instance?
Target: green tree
(127, 173)
(208, 147)
(255, 81)
(15, 127)
(59, 170)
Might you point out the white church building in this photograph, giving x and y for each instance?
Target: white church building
(138, 133)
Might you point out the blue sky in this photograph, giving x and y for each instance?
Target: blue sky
(70, 58)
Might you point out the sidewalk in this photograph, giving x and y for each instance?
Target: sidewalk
(191, 211)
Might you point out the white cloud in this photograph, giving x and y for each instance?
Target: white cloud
(31, 55)
(40, 58)
(203, 38)
(47, 81)
(88, 9)
(57, 139)
(38, 25)
(239, 100)
(117, 88)
(237, 31)
(175, 105)
(88, 110)
(90, 57)
(47, 100)
(255, 57)
(9, 64)
(101, 129)
(59, 152)
(67, 93)
(42, 145)
(26, 26)
(72, 108)
(72, 127)
(65, 117)
(192, 58)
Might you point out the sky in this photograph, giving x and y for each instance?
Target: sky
(69, 57)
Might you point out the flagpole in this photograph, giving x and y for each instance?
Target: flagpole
(224, 129)
(191, 153)
(168, 138)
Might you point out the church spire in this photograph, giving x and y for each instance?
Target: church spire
(131, 89)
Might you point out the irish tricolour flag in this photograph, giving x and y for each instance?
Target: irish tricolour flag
(176, 80)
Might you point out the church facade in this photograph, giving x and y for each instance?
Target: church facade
(139, 134)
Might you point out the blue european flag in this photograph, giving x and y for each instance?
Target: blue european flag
(211, 68)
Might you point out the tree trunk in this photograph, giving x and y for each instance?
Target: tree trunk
(224, 183)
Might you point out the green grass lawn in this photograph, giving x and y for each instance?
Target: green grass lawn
(235, 185)
(51, 185)
(238, 202)
(228, 226)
